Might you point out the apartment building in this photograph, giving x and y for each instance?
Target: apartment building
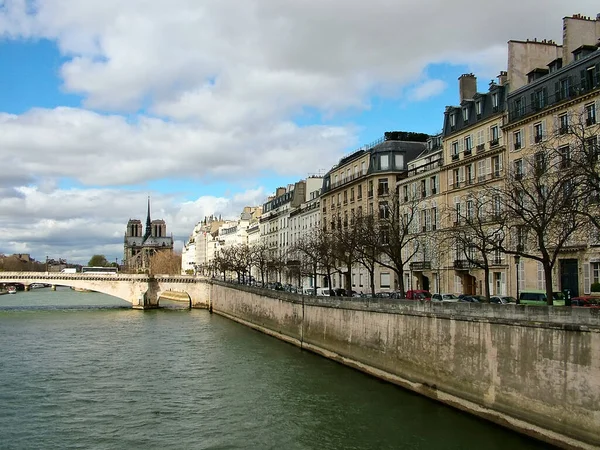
(548, 117)
(363, 183)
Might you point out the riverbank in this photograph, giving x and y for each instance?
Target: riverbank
(531, 369)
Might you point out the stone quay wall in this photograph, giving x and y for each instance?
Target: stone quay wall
(533, 369)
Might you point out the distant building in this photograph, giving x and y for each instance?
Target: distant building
(141, 245)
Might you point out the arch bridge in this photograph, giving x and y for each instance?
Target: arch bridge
(141, 290)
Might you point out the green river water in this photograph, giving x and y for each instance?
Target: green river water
(83, 371)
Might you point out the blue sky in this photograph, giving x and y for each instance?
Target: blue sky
(209, 106)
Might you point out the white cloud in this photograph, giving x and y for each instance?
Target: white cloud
(223, 80)
(426, 90)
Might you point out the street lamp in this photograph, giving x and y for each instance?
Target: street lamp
(517, 261)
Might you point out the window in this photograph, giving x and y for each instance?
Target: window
(345, 197)
(495, 136)
(478, 108)
(481, 170)
(496, 205)
(469, 173)
(434, 218)
(595, 266)
(562, 88)
(590, 77)
(496, 165)
(382, 188)
(433, 185)
(465, 112)
(592, 150)
(518, 169)
(399, 161)
(384, 280)
(335, 179)
(538, 132)
(565, 156)
(470, 210)
(370, 189)
(384, 210)
(468, 145)
(456, 173)
(540, 162)
(518, 107)
(495, 101)
(563, 123)
(339, 199)
(458, 213)
(539, 99)
(590, 114)
(423, 188)
(517, 140)
(352, 194)
(359, 192)
(455, 150)
(363, 166)
(384, 162)
(405, 191)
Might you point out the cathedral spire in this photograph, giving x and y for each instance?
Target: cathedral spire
(148, 222)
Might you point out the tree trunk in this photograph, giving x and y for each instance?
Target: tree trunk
(486, 271)
(372, 278)
(548, 277)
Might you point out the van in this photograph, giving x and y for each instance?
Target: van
(538, 297)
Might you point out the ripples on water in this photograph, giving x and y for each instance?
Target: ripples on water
(83, 371)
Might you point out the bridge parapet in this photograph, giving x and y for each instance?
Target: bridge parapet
(141, 290)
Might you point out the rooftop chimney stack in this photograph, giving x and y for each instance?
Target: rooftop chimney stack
(467, 84)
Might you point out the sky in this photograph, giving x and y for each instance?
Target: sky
(207, 106)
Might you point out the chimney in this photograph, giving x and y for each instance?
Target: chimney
(467, 84)
(502, 78)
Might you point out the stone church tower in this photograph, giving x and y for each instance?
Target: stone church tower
(139, 247)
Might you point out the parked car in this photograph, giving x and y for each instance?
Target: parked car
(383, 294)
(586, 301)
(444, 298)
(502, 299)
(471, 299)
(418, 294)
(340, 292)
(538, 297)
(325, 292)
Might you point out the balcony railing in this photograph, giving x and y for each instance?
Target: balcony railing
(463, 264)
(480, 148)
(494, 142)
(420, 265)
(455, 157)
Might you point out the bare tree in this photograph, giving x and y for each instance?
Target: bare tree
(541, 204)
(396, 227)
(165, 262)
(345, 243)
(260, 259)
(478, 231)
(368, 246)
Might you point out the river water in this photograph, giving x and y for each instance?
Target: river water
(83, 371)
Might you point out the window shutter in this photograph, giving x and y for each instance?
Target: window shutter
(587, 288)
(556, 123)
(512, 142)
(489, 133)
(531, 142)
(544, 129)
(451, 177)
(461, 174)
(500, 162)
(502, 281)
(500, 135)
(488, 164)
(460, 145)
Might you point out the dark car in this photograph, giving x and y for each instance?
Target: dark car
(418, 294)
(586, 301)
(469, 299)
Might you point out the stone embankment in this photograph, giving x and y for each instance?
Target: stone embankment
(533, 369)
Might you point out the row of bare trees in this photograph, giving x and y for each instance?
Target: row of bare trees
(543, 204)
(547, 203)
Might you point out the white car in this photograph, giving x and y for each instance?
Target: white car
(444, 298)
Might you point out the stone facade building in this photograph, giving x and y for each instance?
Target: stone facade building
(140, 245)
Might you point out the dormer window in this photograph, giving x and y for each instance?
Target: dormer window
(478, 108)
(495, 101)
(453, 120)
(465, 112)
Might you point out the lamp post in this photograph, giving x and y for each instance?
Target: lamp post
(517, 261)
